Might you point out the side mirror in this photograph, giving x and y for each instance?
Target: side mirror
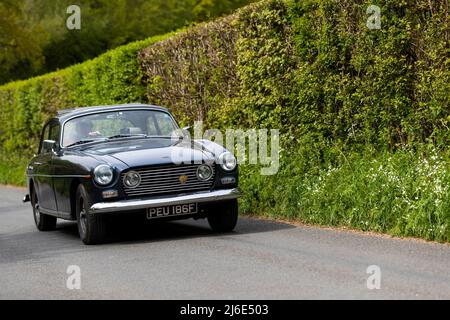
(182, 133)
(185, 131)
(49, 146)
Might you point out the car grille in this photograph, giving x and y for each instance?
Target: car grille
(163, 180)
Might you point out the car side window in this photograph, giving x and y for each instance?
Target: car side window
(55, 130)
(45, 136)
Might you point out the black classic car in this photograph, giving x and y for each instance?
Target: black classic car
(96, 162)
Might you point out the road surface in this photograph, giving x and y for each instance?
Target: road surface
(185, 260)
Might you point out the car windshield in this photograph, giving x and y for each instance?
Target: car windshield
(117, 124)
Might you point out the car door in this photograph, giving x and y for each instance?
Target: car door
(61, 174)
(42, 173)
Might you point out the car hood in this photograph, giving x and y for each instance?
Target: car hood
(147, 152)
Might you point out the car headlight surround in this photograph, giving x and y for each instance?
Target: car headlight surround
(132, 179)
(204, 172)
(227, 161)
(103, 174)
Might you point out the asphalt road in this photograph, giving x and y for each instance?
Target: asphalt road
(185, 260)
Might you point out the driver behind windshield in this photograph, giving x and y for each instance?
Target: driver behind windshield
(80, 130)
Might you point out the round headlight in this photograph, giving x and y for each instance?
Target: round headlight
(103, 174)
(227, 161)
(204, 172)
(132, 179)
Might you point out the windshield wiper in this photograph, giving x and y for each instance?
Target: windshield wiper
(81, 142)
(118, 136)
(141, 135)
(163, 137)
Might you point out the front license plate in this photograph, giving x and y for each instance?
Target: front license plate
(168, 211)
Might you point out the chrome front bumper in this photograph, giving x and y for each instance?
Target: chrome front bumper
(198, 197)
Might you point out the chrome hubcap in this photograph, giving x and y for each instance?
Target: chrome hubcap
(83, 221)
(37, 212)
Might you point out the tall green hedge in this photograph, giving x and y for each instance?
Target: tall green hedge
(346, 98)
(311, 67)
(114, 77)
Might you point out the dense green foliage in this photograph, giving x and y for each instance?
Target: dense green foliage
(364, 114)
(403, 193)
(34, 38)
(114, 77)
(19, 47)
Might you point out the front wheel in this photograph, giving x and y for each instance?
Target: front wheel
(43, 222)
(226, 217)
(91, 227)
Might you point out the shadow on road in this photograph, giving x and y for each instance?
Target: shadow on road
(32, 244)
(136, 230)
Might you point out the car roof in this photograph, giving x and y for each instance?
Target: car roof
(65, 114)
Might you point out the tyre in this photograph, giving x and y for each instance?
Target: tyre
(91, 227)
(43, 222)
(225, 218)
